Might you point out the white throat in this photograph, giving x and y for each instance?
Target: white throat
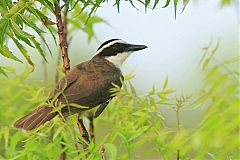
(118, 59)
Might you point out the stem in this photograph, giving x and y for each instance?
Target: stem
(178, 125)
(62, 33)
(179, 105)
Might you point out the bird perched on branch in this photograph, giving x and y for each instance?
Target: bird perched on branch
(88, 84)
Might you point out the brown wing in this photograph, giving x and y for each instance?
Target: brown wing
(88, 84)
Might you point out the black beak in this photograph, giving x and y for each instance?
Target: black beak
(133, 47)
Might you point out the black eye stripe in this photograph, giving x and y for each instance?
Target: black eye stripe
(114, 49)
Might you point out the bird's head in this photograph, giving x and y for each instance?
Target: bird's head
(117, 50)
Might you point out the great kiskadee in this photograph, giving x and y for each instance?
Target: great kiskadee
(87, 84)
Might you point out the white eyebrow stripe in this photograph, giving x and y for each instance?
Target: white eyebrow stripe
(109, 44)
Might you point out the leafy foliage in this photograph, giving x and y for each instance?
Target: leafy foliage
(133, 126)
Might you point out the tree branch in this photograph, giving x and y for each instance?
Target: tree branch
(62, 33)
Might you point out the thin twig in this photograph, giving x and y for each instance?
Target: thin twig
(179, 105)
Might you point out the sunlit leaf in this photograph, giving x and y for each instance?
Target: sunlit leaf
(24, 52)
(17, 30)
(3, 25)
(3, 72)
(4, 50)
(29, 22)
(165, 83)
(152, 90)
(132, 88)
(185, 3)
(205, 64)
(38, 47)
(111, 150)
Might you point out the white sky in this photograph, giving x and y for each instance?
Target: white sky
(174, 45)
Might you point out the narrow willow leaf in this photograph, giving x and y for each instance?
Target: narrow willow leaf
(167, 91)
(215, 48)
(4, 50)
(132, 88)
(175, 8)
(147, 2)
(185, 3)
(111, 150)
(166, 4)
(155, 3)
(47, 4)
(232, 60)
(165, 83)
(77, 105)
(205, 64)
(45, 42)
(28, 22)
(44, 19)
(3, 25)
(152, 90)
(17, 30)
(3, 72)
(25, 40)
(38, 47)
(131, 2)
(118, 5)
(24, 52)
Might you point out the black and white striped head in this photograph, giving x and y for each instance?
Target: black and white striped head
(117, 50)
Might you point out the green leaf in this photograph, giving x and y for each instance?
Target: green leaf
(29, 22)
(111, 150)
(118, 5)
(167, 91)
(205, 63)
(185, 3)
(17, 30)
(132, 88)
(131, 2)
(4, 50)
(38, 47)
(147, 2)
(215, 48)
(166, 4)
(175, 8)
(152, 90)
(47, 4)
(23, 51)
(3, 72)
(155, 3)
(25, 40)
(3, 25)
(165, 83)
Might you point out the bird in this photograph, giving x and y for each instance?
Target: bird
(87, 84)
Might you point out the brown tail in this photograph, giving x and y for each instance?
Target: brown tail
(35, 118)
